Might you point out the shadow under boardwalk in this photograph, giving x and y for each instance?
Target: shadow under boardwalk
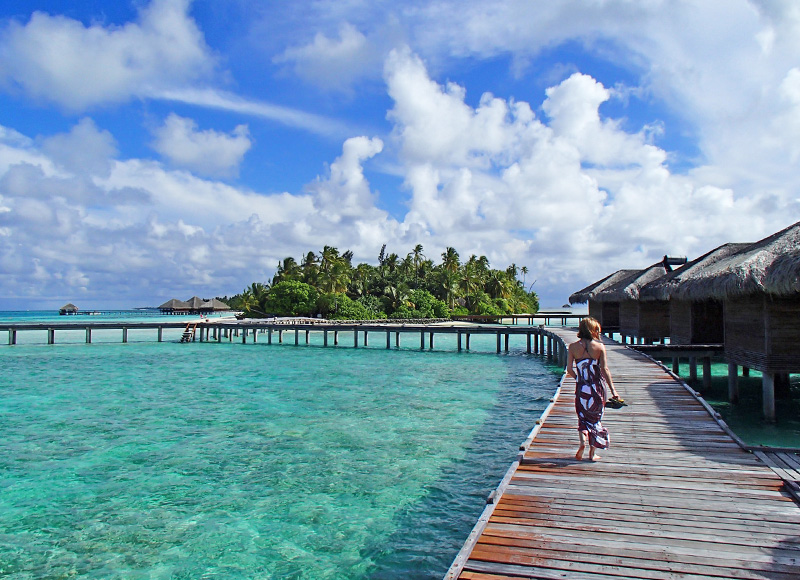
(673, 497)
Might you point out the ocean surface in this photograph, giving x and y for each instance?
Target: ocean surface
(151, 460)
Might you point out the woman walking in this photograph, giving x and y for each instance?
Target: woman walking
(591, 374)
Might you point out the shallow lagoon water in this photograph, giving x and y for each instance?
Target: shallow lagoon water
(148, 460)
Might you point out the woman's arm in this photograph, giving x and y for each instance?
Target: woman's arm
(570, 362)
(606, 372)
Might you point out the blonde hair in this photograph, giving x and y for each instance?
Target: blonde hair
(588, 328)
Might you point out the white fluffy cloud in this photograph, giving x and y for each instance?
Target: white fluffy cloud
(59, 60)
(205, 152)
(574, 196)
(334, 63)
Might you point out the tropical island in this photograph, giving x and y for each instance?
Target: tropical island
(329, 285)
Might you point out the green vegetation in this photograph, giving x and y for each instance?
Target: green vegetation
(412, 287)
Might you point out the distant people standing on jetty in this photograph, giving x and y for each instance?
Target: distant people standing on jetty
(591, 374)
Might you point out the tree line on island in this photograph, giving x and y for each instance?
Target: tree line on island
(328, 284)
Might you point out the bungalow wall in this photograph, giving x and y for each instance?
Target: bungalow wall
(606, 313)
(699, 322)
(647, 320)
(763, 333)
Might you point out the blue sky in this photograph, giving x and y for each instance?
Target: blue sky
(165, 148)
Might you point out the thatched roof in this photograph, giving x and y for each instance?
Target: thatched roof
(174, 304)
(628, 287)
(70, 307)
(195, 303)
(583, 296)
(771, 265)
(215, 305)
(670, 284)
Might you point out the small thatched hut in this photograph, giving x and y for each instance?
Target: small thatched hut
(647, 321)
(691, 321)
(174, 306)
(68, 309)
(605, 312)
(215, 305)
(759, 286)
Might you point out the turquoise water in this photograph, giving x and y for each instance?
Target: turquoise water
(746, 417)
(147, 460)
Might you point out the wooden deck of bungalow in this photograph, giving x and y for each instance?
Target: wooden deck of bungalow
(675, 496)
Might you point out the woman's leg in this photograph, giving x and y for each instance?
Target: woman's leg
(579, 454)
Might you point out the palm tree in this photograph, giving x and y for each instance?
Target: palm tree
(450, 259)
(418, 255)
(287, 270)
(397, 296)
(524, 271)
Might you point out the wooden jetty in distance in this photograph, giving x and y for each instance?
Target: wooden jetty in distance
(676, 495)
(538, 339)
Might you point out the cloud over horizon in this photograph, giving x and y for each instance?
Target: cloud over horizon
(568, 179)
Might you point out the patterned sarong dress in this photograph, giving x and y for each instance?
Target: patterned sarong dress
(590, 401)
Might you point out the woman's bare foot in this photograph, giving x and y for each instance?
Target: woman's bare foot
(593, 455)
(579, 454)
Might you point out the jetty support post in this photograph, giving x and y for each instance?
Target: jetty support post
(51, 336)
(692, 368)
(255, 335)
(388, 339)
(269, 335)
(307, 333)
(498, 342)
(88, 335)
(218, 332)
(733, 382)
(528, 343)
(366, 338)
(280, 336)
(335, 338)
(768, 395)
(458, 339)
(467, 345)
(676, 364)
(296, 336)
(422, 340)
(325, 337)
(355, 337)
(506, 341)
(12, 336)
(244, 335)
(706, 372)
(430, 341)
(397, 339)
(160, 334)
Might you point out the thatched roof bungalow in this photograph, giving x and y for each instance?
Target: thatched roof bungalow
(194, 305)
(691, 321)
(759, 286)
(174, 306)
(646, 320)
(69, 308)
(605, 312)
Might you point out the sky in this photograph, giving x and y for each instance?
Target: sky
(152, 149)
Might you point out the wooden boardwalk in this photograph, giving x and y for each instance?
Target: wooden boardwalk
(674, 497)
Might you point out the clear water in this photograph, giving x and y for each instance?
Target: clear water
(746, 417)
(148, 460)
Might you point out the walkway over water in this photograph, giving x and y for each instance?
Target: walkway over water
(675, 496)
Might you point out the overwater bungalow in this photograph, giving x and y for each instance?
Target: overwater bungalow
(174, 306)
(605, 312)
(759, 287)
(194, 305)
(68, 309)
(646, 321)
(691, 321)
